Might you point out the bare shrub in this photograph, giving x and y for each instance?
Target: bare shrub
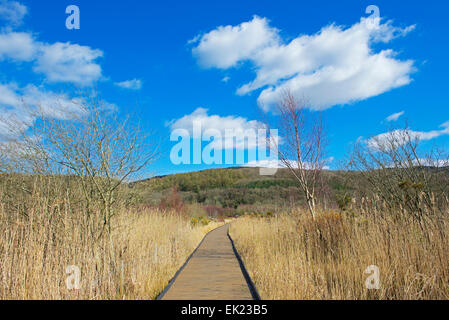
(400, 175)
(93, 146)
(172, 201)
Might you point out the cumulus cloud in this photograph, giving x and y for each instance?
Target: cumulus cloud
(394, 116)
(134, 84)
(335, 66)
(17, 46)
(399, 137)
(199, 124)
(8, 95)
(58, 106)
(272, 164)
(58, 62)
(226, 46)
(201, 116)
(12, 12)
(438, 163)
(20, 106)
(66, 62)
(278, 164)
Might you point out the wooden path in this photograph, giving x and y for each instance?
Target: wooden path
(212, 273)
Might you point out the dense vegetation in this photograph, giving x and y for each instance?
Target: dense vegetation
(239, 189)
(232, 188)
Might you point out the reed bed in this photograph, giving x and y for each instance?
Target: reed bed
(290, 256)
(39, 253)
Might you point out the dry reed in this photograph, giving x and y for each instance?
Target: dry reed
(292, 257)
(135, 261)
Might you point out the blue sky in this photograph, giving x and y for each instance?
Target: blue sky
(164, 60)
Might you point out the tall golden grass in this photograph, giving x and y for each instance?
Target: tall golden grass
(293, 257)
(134, 261)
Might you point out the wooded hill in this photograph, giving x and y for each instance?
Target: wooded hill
(237, 188)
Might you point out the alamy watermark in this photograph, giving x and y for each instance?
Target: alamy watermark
(373, 280)
(73, 280)
(73, 20)
(230, 147)
(373, 20)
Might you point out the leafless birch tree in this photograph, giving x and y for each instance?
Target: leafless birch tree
(302, 145)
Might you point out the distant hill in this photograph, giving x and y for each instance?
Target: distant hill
(240, 188)
(232, 188)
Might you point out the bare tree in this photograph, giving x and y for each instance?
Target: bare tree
(100, 148)
(399, 174)
(302, 148)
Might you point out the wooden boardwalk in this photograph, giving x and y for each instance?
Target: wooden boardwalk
(212, 273)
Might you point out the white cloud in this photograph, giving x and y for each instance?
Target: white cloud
(225, 79)
(334, 66)
(66, 62)
(58, 106)
(59, 62)
(20, 107)
(272, 164)
(394, 116)
(17, 46)
(8, 95)
(12, 11)
(228, 127)
(387, 140)
(226, 46)
(278, 164)
(134, 84)
(200, 115)
(438, 163)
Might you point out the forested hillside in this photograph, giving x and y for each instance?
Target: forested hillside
(238, 189)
